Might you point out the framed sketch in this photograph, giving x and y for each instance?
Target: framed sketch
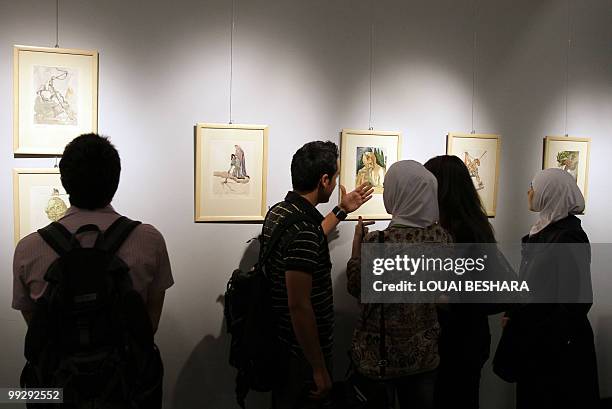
(365, 156)
(38, 199)
(481, 155)
(570, 154)
(231, 170)
(55, 98)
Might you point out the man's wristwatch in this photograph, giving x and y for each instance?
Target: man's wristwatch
(339, 213)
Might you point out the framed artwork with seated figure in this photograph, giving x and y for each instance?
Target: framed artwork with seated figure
(230, 172)
(55, 98)
(365, 156)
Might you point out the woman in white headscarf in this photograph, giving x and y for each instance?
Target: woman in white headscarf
(555, 195)
(551, 340)
(411, 330)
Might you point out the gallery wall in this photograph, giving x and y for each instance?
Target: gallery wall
(302, 67)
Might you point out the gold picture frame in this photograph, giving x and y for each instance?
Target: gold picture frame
(38, 199)
(576, 150)
(55, 98)
(231, 167)
(361, 154)
(472, 149)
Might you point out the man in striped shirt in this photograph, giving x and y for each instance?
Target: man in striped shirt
(300, 272)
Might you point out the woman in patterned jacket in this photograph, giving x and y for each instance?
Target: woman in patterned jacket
(411, 330)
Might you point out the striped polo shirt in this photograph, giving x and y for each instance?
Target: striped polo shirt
(302, 247)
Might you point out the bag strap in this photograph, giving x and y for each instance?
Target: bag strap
(113, 237)
(382, 364)
(57, 237)
(278, 232)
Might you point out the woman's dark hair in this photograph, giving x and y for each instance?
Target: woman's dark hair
(311, 162)
(461, 211)
(90, 169)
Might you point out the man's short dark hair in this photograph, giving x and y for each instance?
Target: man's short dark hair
(90, 169)
(311, 162)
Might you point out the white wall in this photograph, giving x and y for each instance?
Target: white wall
(302, 68)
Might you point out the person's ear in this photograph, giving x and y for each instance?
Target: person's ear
(325, 180)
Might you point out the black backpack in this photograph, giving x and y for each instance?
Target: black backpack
(255, 350)
(90, 332)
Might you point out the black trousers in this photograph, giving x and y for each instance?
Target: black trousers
(564, 390)
(458, 387)
(293, 387)
(415, 391)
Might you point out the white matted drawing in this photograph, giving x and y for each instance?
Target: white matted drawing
(570, 154)
(480, 153)
(38, 199)
(231, 171)
(365, 156)
(55, 98)
(56, 95)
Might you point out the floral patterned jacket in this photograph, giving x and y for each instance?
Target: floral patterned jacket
(412, 330)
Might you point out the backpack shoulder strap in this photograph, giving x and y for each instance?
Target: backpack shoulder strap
(58, 237)
(116, 234)
(278, 232)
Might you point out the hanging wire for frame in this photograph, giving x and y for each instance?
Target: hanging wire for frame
(475, 24)
(567, 58)
(232, 59)
(56, 23)
(56, 164)
(371, 61)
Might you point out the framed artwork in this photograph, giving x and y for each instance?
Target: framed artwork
(38, 199)
(570, 154)
(55, 98)
(231, 170)
(365, 156)
(481, 155)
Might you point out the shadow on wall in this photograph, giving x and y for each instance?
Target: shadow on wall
(207, 380)
(603, 341)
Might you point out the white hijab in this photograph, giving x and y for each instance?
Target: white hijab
(556, 195)
(411, 194)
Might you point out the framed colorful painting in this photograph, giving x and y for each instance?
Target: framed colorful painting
(570, 154)
(38, 199)
(55, 98)
(365, 156)
(481, 155)
(231, 170)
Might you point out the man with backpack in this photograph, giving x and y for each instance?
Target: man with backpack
(91, 288)
(299, 269)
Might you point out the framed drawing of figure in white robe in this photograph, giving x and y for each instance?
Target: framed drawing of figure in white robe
(231, 172)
